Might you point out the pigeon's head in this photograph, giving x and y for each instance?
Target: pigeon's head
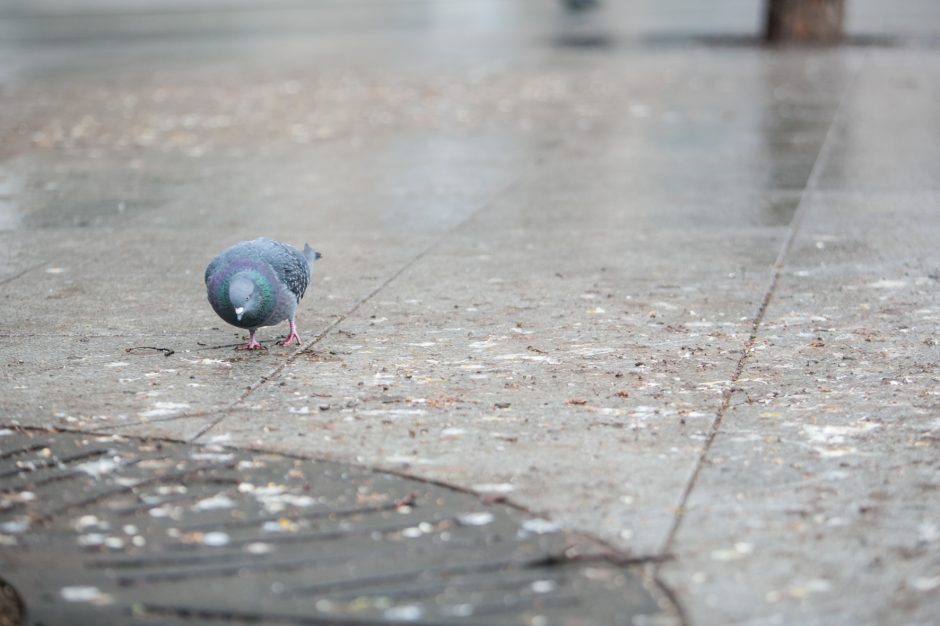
(245, 296)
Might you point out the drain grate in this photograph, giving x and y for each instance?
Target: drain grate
(106, 530)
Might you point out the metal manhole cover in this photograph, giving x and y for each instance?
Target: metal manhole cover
(106, 530)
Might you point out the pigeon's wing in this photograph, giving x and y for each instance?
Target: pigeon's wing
(290, 265)
(213, 266)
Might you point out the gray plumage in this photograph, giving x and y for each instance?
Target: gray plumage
(259, 283)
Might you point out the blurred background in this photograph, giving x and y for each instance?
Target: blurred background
(575, 214)
(448, 23)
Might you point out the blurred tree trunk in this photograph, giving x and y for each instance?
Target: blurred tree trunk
(811, 21)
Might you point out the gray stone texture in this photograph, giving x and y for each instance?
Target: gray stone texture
(626, 268)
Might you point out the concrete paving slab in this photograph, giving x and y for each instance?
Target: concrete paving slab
(421, 183)
(173, 428)
(101, 382)
(834, 421)
(590, 192)
(530, 271)
(475, 385)
(110, 282)
(886, 142)
(16, 260)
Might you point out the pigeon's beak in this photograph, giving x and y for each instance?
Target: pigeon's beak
(239, 311)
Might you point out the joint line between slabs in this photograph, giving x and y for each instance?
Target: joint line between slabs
(506, 189)
(320, 336)
(10, 279)
(777, 269)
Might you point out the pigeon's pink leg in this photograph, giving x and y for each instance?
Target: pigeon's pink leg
(292, 335)
(252, 343)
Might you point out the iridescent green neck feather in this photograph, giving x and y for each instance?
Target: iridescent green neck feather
(249, 298)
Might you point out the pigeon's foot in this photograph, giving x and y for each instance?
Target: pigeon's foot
(251, 345)
(286, 341)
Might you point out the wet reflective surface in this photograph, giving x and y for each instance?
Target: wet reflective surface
(592, 262)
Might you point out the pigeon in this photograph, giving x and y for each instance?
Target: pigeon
(260, 283)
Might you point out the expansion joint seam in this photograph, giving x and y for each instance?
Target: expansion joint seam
(274, 373)
(812, 183)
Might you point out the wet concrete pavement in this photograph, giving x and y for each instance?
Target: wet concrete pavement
(627, 269)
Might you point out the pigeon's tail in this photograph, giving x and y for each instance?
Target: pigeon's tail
(310, 253)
